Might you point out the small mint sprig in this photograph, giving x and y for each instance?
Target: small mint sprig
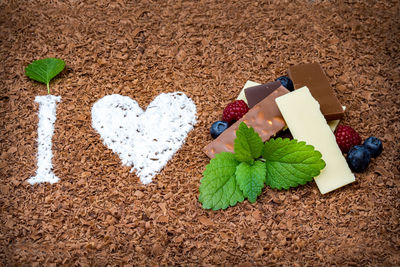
(219, 188)
(278, 163)
(43, 70)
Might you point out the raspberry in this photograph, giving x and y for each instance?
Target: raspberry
(346, 138)
(235, 111)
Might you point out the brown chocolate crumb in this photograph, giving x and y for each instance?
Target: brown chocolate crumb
(99, 213)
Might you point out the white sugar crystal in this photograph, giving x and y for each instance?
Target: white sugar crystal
(145, 141)
(47, 117)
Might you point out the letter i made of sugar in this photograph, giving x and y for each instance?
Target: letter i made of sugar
(306, 123)
(47, 117)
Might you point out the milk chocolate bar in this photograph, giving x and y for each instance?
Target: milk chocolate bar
(312, 76)
(264, 117)
(257, 93)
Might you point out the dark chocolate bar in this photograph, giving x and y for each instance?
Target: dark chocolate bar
(257, 93)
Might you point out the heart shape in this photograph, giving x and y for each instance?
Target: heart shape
(145, 141)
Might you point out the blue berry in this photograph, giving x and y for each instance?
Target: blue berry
(217, 128)
(286, 82)
(358, 158)
(374, 146)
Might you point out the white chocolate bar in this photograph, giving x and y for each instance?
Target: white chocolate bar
(306, 123)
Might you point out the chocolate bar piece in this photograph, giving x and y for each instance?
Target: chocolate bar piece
(241, 95)
(257, 93)
(287, 134)
(309, 125)
(312, 76)
(264, 117)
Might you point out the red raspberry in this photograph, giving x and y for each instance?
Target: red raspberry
(346, 138)
(235, 111)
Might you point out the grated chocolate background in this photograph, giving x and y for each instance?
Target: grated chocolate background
(100, 214)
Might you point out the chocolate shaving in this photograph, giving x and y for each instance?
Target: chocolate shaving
(100, 214)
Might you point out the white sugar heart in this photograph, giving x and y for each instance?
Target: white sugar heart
(145, 141)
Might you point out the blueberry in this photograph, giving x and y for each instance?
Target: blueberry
(374, 146)
(358, 158)
(286, 82)
(217, 128)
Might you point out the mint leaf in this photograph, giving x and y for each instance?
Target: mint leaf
(251, 179)
(218, 188)
(290, 163)
(248, 144)
(43, 70)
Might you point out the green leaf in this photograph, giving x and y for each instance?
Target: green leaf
(290, 163)
(43, 70)
(251, 179)
(248, 144)
(218, 188)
